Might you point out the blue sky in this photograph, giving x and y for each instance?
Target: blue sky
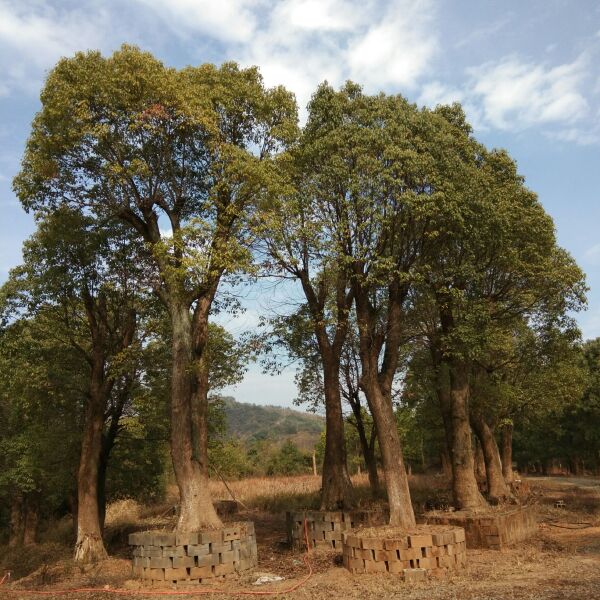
(526, 72)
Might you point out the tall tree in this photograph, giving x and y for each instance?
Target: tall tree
(370, 169)
(84, 274)
(127, 138)
(496, 260)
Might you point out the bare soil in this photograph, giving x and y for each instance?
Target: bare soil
(561, 562)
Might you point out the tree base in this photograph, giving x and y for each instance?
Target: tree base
(89, 548)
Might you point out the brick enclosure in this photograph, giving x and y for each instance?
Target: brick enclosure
(413, 556)
(190, 558)
(325, 528)
(493, 530)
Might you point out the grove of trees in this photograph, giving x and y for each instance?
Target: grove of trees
(433, 309)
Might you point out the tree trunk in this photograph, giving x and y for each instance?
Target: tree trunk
(371, 463)
(464, 485)
(102, 468)
(32, 510)
(367, 445)
(396, 479)
(480, 472)
(89, 546)
(507, 470)
(189, 428)
(446, 463)
(336, 486)
(16, 520)
(497, 488)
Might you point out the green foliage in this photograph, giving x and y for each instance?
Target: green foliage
(289, 460)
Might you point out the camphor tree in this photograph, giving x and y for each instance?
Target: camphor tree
(370, 170)
(126, 138)
(300, 233)
(81, 275)
(495, 260)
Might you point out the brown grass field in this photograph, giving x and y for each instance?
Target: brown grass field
(561, 561)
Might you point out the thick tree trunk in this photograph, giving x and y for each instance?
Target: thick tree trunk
(396, 479)
(507, 470)
(376, 382)
(32, 517)
(16, 520)
(189, 427)
(498, 490)
(89, 546)
(336, 486)
(464, 486)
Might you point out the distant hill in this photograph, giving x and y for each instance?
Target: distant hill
(253, 422)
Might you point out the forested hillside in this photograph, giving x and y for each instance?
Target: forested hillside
(252, 422)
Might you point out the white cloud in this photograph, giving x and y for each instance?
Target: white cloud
(436, 92)
(34, 36)
(226, 20)
(515, 95)
(396, 49)
(299, 43)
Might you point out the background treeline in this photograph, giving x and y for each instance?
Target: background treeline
(430, 315)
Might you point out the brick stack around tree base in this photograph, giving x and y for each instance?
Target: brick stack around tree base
(494, 529)
(325, 528)
(413, 556)
(192, 558)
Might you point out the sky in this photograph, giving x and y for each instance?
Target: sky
(527, 74)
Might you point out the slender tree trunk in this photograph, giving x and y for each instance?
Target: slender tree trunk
(480, 472)
(336, 486)
(32, 516)
(89, 546)
(464, 486)
(16, 520)
(396, 479)
(102, 468)
(498, 490)
(507, 435)
(442, 389)
(367, 445)
(446, 463)
(189, 430)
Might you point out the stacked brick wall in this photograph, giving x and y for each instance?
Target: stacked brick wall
(412, 556)
(164, 558)
(325, 528)
(494, 530)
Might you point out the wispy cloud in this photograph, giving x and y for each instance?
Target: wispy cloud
(34, 35)
(299, 43)
(482, 34)
(592, 255)
(515, 94)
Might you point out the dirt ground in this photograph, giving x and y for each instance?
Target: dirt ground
(561, 562)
